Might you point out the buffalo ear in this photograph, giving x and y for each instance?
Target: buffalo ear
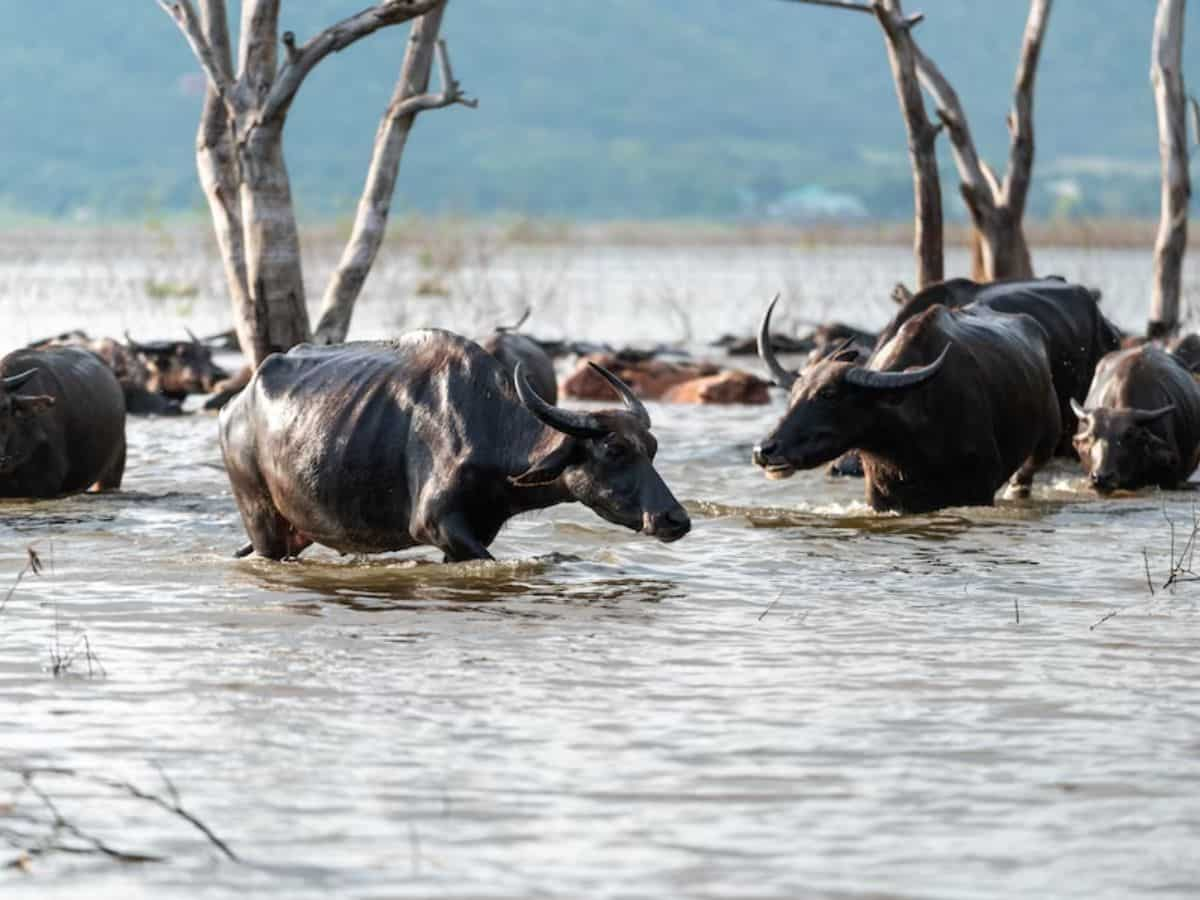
(1159, 451)
(31, 404)
(547, 463)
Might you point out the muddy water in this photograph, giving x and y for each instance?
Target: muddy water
(799, 699)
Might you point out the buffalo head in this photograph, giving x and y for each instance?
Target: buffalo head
(17, 440)
(178, 368)
(1116, 446)
(605, 460)
(831, 405)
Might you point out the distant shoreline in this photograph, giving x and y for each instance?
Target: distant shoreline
(518, 231)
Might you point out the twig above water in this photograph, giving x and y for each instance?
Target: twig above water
(31, 845)
(33, 563)
(770, 606)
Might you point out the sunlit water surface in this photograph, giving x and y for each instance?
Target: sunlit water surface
(800, 699)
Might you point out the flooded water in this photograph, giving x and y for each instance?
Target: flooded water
(800, 699)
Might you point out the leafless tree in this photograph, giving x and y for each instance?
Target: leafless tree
(996, 205)
(239, 155)
(1170, 101)
(903, 55)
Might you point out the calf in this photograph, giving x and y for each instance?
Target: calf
(1141, 422)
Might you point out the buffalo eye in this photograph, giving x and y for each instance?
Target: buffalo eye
(828, 393)
(616, 452)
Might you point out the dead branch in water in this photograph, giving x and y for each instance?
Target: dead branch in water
(34, 834)
(1182, 565)
(33, 563)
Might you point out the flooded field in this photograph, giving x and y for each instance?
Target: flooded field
(799, 699)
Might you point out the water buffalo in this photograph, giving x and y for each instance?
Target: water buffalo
(62, 423)
(372, 447)
(129, 369)
(1141, 422)
(514, 349)
(1077, 333)
(943, 413)
(176, 369)
(1186, 349)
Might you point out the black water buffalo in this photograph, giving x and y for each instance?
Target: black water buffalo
(1141, 422)
(372, 447)
(514, 349)
(1077, 333)
(943, 413)
(1186, 349)
(155, 377)
(176, 369)
(62, 423)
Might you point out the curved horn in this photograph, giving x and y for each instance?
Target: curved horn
(1080, 412)
(521, 321)
(892, 381)
(191, 334)
(841, 348)
(577, 424)
(13, 382)
(132, 344)
(1142, 416)
(632, 403)
(767, 354)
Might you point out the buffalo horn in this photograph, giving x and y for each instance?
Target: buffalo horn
(1080, 412)
(841, 348)
(13, 382)
(1142, 416)
(134, 345)
(632, 403)
(576, 424)
(521, 321)
(892, 381)
(782, 376)
(191, 334)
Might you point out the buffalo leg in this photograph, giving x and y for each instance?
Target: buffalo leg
(1020, 485)
(268, 530)
(1043, 452)
(458, 542)
(111, 480)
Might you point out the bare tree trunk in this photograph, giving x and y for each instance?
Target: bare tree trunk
(922, 139)
(922, 134)
(273, 265)
(997, 208)
(239, 153)
(216, 164)
(1166, 74)
(928, 246)
(410, 98)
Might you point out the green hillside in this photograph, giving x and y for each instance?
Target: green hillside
(627, 108)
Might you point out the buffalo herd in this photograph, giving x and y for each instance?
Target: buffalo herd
(434, 439)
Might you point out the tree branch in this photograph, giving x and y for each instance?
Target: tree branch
(977, 188)
(863, 7)
(189, 23)
(1170, 101)
(1020, 121)
(450, 94)
(370, 222)
(333, 39)
(257, 54)
(927, 190)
